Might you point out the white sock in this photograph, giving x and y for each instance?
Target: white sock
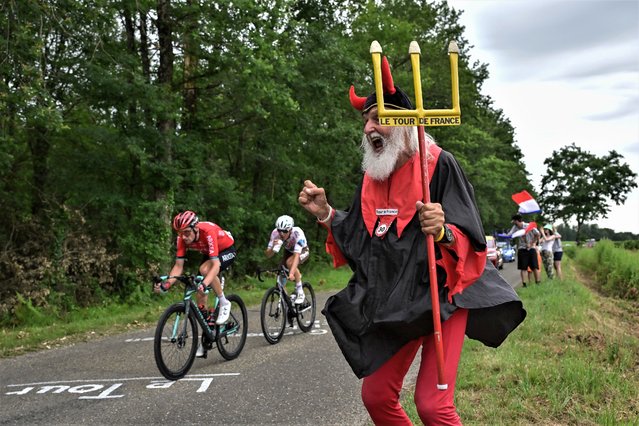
(298, 287)
(223, 300)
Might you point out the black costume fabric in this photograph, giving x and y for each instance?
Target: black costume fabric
(387, 301)
(397, 100)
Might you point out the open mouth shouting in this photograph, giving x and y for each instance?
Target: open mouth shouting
(377, 142)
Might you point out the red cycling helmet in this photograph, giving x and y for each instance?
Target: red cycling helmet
(187, 219)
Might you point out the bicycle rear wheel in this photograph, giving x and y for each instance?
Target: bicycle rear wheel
(273, 315)
(175, 342)
(306, 310)
(231, 336)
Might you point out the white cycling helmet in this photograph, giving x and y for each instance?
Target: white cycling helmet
(284, 223)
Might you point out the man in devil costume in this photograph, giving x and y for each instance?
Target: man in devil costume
(384, 315)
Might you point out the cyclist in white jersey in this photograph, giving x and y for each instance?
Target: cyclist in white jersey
(296, 252)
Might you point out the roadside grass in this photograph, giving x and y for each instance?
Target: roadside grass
(574, 360)
(45, 332)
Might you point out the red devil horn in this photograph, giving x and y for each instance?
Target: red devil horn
(357, 101)
(387, 78)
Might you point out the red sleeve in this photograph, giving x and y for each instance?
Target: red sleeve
(181, 248)
(334, 251)
(332, 248)
(463, 272)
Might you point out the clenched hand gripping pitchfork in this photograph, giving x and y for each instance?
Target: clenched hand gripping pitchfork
(420, 117)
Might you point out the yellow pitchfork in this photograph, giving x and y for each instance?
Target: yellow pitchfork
(421, 117)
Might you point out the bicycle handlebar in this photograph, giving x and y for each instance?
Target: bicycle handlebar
(281, 269)
(186, 279)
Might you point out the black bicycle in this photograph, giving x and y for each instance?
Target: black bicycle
(176, 335)
(278, 308)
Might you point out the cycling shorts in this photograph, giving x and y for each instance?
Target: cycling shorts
(226, 258)
(303, 255)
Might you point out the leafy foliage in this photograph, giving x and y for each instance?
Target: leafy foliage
(118, 115)
(579, 184)
(595, 232)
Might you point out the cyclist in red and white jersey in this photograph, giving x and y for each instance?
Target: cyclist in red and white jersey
(295, 250)
(219, 253)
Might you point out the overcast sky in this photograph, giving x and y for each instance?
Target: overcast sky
(563, 71)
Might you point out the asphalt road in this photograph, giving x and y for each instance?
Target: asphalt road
(301, 380)
(511, 274)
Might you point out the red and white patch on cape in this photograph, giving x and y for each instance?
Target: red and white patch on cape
(395, 198)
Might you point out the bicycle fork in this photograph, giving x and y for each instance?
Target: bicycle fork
(176, 334)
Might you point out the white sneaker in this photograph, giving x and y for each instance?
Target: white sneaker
(223, 315)
(200, 351)
(299, 299)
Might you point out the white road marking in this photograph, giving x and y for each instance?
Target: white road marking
(63, 386)
(121, 379)
(316, 332)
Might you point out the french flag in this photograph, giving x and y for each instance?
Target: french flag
(526, 202)
(530, 227)
(521, 232)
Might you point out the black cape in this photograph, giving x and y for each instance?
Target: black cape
(387, 301)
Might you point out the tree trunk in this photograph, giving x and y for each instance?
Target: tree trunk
(130, 47)
(129, 25)
(145, 60)
(39, 146)
(579, 225)
(165, 124)
(190, 67)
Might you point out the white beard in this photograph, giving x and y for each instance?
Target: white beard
(380, 166)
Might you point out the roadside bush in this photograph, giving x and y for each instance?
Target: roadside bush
(570, 251)
(616, 270)
(26, 314)
(52, 268)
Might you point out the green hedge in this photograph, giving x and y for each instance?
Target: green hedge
(615, 269)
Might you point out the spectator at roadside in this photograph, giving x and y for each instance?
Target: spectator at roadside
(539, 261)
(526, 251)
(557, 252)
(547, 242)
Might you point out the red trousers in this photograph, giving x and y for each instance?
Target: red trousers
(380, 390)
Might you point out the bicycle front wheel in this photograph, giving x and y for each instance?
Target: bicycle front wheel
(231, 336)
(273, 315)
(306, 310)
(175, 342)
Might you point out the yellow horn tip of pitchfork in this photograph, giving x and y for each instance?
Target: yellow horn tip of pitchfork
(414, 48)
(376, 47)
(452, 47)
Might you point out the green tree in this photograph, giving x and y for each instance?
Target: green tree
(118, 115)
(581, 185)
